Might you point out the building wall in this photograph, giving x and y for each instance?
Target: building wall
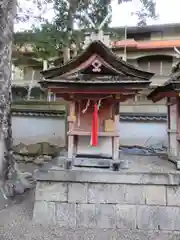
(32, 130)
(143, 106)
(28, 74)
(137, 54)
(167, 35)
(143, 133)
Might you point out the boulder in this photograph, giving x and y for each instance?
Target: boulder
(37, 149)
(48, 149)
(23, 151)
(34, 149)
(47, 158)
(19, 147)
(39, 160)
(18, 157)
(28, 159)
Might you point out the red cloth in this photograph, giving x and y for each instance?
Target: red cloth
(95, 124)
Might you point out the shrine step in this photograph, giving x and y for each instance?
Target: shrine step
(92, 162)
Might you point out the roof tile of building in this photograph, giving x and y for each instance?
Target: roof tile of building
(151, 117)
(143, 45)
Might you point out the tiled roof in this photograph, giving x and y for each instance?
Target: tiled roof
(144, 45)
(123, 116)
(32, 114)
(37, 113)
(143, 117)
(82, 64)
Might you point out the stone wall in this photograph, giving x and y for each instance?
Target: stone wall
(124, 205)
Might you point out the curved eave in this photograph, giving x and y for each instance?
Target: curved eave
(162, 91)
(97, 47)
(89, 86)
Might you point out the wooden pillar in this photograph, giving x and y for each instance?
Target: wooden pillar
(116, 138)
(71, 126)
(178, 117)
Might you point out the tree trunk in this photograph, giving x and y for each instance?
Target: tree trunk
(66, 58)
(66, 54)
(12, 181)
(45, 64)
(31, 85)
(8, 10)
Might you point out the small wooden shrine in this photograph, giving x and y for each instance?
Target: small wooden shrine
(171, 91)
(95, 83)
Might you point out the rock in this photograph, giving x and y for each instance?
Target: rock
(28, 159)
(34, 149)
(37, 149)
(18, 157)
(47, 158)
(23, 151)
(39, 160)
(48, 149)
(17, 148)
(18, 187)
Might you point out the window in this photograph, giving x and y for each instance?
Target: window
(140, 98)
(160, 65)
(139, 36)
(156, 35)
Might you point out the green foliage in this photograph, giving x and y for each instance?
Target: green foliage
(147, 10)
(20, 38)
(47, 41)
(96, 10)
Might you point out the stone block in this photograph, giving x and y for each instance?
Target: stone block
(86, 216)
(155, 195)
(160, 218)
(44, 212)
(105, 216)
(169, 218)
(135, 194)
(77, 192)
(51, 191)
(147, 217)
(125, 216)
(66, 215)
(116, 193)
(173, 196)
(108, 177)
(105, 193)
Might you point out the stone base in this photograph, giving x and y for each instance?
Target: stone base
(92, 162)
(116, 205)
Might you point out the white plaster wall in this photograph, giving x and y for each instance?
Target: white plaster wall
(31, 130)
(28, 73)
(143, 133)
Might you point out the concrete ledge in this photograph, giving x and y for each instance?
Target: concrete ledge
(122, 177)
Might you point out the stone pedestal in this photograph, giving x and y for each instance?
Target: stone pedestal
(93, 202)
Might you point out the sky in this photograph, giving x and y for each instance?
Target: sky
(168, 11)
